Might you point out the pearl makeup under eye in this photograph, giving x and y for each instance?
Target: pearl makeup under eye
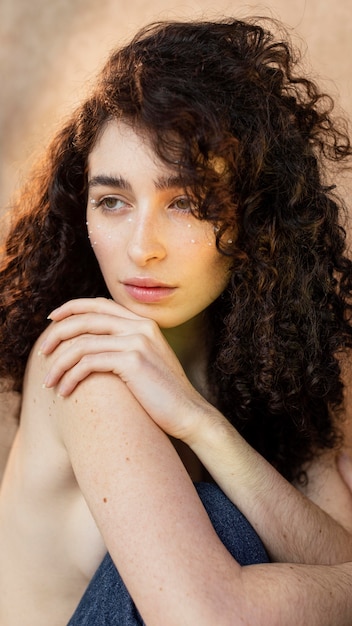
(95, 204)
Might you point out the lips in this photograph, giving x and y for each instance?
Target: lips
(148, 290)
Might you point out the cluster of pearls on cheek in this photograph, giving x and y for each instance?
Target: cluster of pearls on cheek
(193, 240)
(95, 204)
(210, 243)
(90, 232)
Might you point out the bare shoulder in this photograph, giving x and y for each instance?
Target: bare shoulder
(38, 417)
(327, 489)
(52, 421)
(325, 484)
(39, 453)
(44, 518)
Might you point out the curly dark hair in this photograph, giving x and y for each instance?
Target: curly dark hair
(207, 93)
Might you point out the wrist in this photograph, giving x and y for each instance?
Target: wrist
(210, 429)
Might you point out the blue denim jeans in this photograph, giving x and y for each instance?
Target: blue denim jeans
(107, 602)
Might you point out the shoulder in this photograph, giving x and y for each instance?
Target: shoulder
(328, 490)
(100, 402)
(96, 390)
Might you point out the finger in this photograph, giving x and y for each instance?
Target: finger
(85, 346)
(72, 354)
(94, 305)
(86, 324)
(94, 363)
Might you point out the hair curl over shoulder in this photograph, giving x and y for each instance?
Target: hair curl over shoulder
(226, 104)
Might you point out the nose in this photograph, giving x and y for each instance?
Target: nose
(146, 241)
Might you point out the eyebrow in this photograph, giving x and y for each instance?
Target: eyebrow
(103, 180)
(161, 184)
(168, 182)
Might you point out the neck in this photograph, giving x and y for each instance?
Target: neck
(188, 343)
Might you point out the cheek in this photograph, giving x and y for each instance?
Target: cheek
(97, 234)
(103, 239)
(199, 234)
(106, 245)
(207, 266)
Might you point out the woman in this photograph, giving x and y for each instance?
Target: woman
(185, 226)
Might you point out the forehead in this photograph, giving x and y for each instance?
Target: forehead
(124, 158)
(119, 140)
(121, 144)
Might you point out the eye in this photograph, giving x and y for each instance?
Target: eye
(184, 204)
(111, 204)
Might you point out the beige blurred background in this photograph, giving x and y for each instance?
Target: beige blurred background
(50, 50)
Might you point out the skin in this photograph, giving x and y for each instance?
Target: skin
(141, 227)
(83, 472)
(9, 413)
(345, 467)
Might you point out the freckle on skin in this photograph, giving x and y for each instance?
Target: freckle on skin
(105, 499)
(127, 458)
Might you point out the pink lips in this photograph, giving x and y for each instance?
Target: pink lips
(147, 289)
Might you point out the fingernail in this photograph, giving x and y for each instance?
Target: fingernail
(46, 382)
(52, 313)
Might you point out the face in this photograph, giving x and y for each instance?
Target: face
(157, 259)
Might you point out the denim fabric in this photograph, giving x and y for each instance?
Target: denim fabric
(107, 601)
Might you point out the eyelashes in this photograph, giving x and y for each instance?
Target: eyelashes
(182, 207)
(109, 204)
(115, 204)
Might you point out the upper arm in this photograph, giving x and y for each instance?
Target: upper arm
(144, 503)
(152, 520)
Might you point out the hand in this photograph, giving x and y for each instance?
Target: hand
(98, 335)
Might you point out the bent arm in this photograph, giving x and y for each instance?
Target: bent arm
(292, 526)
(159, 536)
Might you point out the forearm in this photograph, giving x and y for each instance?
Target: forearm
(157, 531)
(291, 526)
(287, 595)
